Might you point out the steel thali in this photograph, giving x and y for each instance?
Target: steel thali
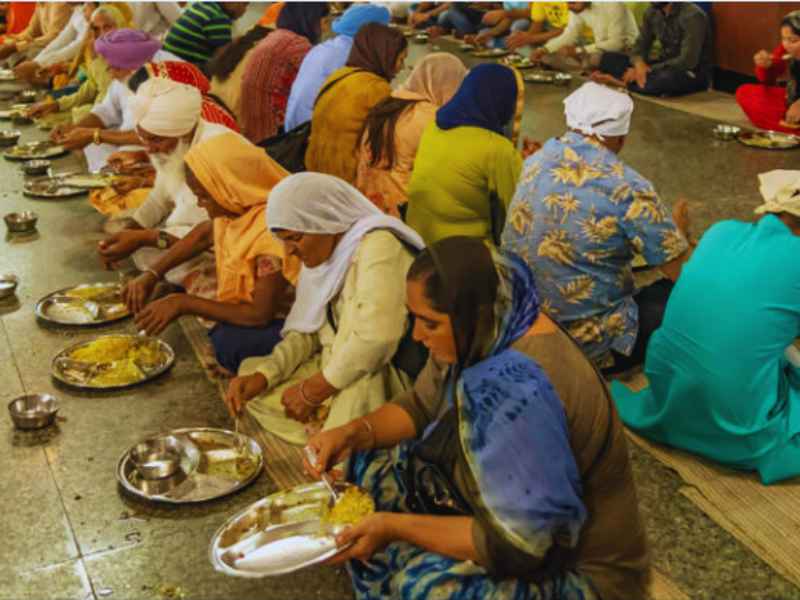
(87, 304)
(768, 140)
(216, 463)
(51, 188)
(32, 150)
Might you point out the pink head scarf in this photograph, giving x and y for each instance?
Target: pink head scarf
(435, 79)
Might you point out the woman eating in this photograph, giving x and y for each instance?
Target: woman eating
(504, 472)
(263, 64)
(252, 284)
(723, 369)
(335, 360)
(767, 104)
(347, 96)
(394, 126)
(471, 195)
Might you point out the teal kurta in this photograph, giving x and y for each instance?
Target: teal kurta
(719, 383)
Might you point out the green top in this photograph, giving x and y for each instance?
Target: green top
(455, 173)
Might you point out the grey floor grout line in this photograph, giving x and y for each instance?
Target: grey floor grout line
(13, 357)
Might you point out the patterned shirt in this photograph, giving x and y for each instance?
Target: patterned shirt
(577, 218)
(202, 28)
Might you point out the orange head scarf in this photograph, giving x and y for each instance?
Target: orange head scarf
(239, 176)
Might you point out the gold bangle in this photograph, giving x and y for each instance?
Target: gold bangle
(370, 431)
(306, 401)
(96, 136)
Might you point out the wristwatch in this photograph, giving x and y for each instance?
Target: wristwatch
(162, 241)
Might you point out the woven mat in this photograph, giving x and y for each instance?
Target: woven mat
(663, 588)
(763, 518)
(283, 462)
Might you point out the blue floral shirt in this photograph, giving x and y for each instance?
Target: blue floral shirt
(578, 217)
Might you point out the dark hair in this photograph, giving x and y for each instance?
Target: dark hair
(792, 21)
(423, 269)
(379, 128)
(224, 63)
(138, 78)
(303, 18)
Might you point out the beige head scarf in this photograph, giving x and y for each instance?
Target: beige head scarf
(435, 79)
(166, 108)
(781, 192)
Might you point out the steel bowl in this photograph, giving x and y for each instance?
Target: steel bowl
(8, 285)
(9, 137)
(562, 78)
(421, 38)
(157, 458)
(36, 167)
(725, 132)
(21, 222)
(27, 96)
(34, 411)
(20, 117)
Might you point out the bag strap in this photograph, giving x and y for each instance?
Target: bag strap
(330, 84)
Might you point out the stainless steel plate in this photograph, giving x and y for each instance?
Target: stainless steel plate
(51, 187)
(539, 76)
(88, 181)
(33, 150)
(519, 62)
(66, 369)
(7, 75)
(491, 53)
(278, 534)
(769, 140)
(53, 309)
(217, 471)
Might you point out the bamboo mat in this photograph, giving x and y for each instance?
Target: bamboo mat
(766, 519)
(663, 588)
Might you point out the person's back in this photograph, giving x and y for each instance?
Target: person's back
(720, 385)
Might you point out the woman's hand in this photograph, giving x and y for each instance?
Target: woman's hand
(127, 183)
(296, 404)
(60, 132)
(243, 389)
(77, 138)
(370, 535)
(529, 147)
(137, 291)
(41, 109)
(331, 447)
(120, 245)
(155, 317)
(763, 59)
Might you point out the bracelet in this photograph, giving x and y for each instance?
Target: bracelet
(153, 272)
(96, 136)
(370, 430)
(306, 401)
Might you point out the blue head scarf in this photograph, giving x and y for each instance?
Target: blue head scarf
(357, 15)
(487, 98)
(512, 425)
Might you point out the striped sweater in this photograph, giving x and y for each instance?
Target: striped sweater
(199, 32)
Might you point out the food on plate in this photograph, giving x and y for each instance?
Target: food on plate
(353, 505)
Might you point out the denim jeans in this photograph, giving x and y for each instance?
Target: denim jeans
(462, 21)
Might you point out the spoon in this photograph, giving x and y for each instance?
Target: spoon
(311, 455)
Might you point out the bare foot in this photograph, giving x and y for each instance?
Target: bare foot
(680, 216)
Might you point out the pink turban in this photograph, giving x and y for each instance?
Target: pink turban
(127, 48)
(167, 108)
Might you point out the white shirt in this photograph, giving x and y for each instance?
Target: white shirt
(612, 23)
(178, 215)
(155, 18)
(66, 44)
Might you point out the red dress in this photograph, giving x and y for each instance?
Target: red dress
(764, 103)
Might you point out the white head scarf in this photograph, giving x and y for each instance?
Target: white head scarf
(595, 109)
(781, 192)
(318, 203)
(166, 108)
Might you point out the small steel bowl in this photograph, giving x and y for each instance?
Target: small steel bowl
(725, 132)
(8, 285)
(9, 137)
(20, 117)
(34, 411)
(27, 96)
(21, 222)
(421, 38)
(157, 458)
(36, 167)
(562, 78)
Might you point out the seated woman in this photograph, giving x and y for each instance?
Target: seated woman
(232, 180)
(335, 360)
(471, 195)
(72, 108)
(347, 96)
(263, 64)
(504, 472)
(766, 104)
(721, 384)
(394, 126)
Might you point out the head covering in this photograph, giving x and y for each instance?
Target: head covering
(357, 15)
(166, 108)
(120, 20)
(487, 98)
(597, 110)
(376, 48)
(239, 176)
(781, 192)
(793, 20)
(318, 203)
(503, 396)
(435, 78)
(303, 18)
(271, 69)
(126, 48)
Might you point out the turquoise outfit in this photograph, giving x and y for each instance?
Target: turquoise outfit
(720, 385)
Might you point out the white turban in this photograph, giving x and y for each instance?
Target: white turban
(595, 109)
(781, 192)
(166, 108)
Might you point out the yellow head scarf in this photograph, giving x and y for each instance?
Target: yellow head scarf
(239, 176)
